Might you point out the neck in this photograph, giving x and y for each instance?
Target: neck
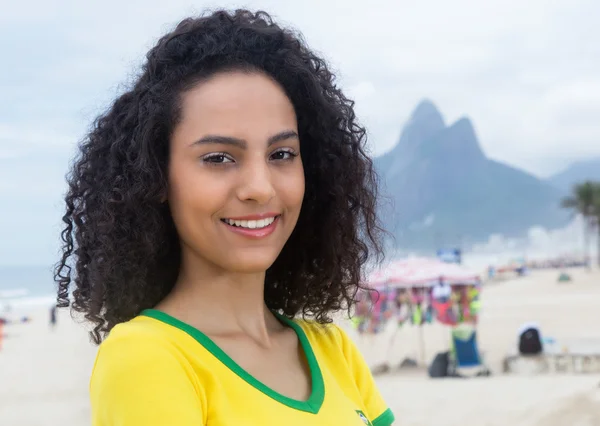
(220, 302)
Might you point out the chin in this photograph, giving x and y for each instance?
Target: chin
(251, 263)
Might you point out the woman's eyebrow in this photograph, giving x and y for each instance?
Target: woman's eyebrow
(241, 143)
(282, 136)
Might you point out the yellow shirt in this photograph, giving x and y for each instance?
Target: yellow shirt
(156, 370)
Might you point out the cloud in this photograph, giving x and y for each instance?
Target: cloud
(491, 60)
(527, 73)
(539, 244)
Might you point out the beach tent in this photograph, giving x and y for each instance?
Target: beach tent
(421, 272)
(416, 273)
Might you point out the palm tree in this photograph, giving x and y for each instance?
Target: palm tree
(582, 201)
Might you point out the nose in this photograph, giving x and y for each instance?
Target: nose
(255, 183)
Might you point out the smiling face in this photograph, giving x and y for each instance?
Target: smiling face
(236, 181)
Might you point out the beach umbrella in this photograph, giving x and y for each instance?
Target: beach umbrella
(420, 272)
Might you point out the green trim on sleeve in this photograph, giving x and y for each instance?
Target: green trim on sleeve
(314, 402)
(385, 419)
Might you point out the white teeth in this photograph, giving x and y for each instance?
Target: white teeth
(251, 224)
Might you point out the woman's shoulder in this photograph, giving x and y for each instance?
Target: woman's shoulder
(332, 338)
(141, 351)
(329, 335)
(135, 344)
(141, 375)
(139, 330)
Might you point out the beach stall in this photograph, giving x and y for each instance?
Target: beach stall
(419, 286)
(418, 291)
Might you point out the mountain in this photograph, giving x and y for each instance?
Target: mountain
(576, 173)
(440, 188)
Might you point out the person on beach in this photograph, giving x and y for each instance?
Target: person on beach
(441, 291)
(218, 214)
(53, 317)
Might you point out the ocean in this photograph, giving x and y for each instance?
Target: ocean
(23, 287)
(29, 286)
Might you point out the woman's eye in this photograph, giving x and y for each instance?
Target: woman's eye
(283, 155)
(219, 158)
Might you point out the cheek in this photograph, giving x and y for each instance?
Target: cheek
(291, 188)
(195, 197)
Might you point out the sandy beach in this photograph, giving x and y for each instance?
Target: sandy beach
(44, 373)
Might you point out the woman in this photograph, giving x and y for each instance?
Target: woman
(218, 205)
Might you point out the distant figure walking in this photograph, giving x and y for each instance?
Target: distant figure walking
(53, 316)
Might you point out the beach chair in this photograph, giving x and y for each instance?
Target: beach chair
(465, 353)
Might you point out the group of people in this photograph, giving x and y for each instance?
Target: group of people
(442, 302)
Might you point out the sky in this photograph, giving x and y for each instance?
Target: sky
(526, 73)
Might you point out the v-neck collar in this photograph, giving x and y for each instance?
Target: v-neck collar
(317, 395)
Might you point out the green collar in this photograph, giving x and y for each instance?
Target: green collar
(317, 395)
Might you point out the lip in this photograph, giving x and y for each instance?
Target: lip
(254, 233)
(258, 216)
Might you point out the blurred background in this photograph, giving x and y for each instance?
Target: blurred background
(483, 120)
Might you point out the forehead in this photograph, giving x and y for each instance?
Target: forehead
(237, 104)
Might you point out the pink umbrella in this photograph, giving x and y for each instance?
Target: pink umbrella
(421, 272)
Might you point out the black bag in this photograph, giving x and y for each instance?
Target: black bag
(439, 365)
(530, 342)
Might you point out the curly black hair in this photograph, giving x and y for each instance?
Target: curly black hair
(120, 249)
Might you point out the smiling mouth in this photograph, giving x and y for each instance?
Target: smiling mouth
(251, 224)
